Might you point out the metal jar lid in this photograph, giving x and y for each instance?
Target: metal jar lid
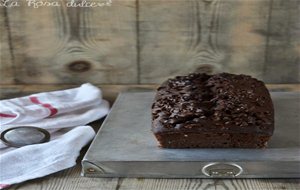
(24, 135)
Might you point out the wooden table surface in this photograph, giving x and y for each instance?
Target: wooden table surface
(70, 179)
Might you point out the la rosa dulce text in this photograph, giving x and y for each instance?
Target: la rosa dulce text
(56, 3)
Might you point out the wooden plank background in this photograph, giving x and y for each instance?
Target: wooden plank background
(6, 67)
(147, 41)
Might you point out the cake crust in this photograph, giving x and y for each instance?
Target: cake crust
(213, 111)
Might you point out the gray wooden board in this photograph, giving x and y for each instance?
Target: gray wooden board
(125, 146)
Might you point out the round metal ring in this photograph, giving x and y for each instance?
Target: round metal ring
(232, 166)
(44, 138)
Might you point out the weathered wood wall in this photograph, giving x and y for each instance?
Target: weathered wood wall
(147, 41)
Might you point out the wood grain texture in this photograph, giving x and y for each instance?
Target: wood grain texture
(283, 42)
(73, 45)
(208, 184)
(148, 41)
(6, 62)
(69, 179)
(178, 37)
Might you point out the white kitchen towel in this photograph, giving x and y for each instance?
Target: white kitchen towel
(39, 160)
(66, 109)
(35, 107)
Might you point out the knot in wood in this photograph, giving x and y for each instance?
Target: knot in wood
(79, 66)
(205, 68)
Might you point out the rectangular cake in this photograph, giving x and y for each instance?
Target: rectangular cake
(213, 111)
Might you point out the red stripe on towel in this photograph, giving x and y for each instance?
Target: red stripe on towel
(35, 100)
(3, 186)
(7, 115)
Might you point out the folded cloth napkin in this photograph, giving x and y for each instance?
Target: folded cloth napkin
(64, 114)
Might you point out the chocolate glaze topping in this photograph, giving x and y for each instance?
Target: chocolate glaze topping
(213, 103)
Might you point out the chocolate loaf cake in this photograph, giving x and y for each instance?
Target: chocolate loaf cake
(213, 111)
